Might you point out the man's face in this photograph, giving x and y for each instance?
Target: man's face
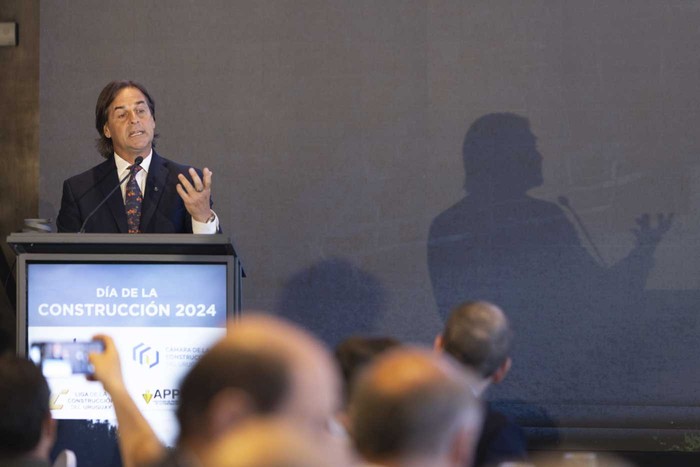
(130, 124)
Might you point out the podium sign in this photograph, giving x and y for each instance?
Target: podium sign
(162, 302)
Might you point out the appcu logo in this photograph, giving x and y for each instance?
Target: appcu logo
(162, 394)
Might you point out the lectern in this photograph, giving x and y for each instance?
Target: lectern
(163, 298)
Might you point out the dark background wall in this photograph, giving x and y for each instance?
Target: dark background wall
(335, 132)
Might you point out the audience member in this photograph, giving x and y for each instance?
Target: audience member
(478, 335)
(412, 407)
(353, 354)
(27, 430)
(576, 459)
(269, 442)
(264, 366)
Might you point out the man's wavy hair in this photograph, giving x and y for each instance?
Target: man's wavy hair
(104, 144)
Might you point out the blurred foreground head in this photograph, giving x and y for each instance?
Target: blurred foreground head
(578, 459)
(26, 427)
(412, 406)
(263, 366)
(271, 442)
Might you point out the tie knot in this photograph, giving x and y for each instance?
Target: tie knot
(136, 168)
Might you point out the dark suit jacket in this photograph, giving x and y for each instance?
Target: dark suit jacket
(501, 440)
(162, 211)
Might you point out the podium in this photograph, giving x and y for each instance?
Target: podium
(164, 299)
(105, 249)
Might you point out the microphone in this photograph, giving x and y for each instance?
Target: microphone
(564, 201)
(137, 162)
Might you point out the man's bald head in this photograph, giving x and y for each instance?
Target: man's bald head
(271, 442)
(314, 392)
(264, 365)
(412, 402)
(478, 335)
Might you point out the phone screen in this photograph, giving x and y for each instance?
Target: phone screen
(61, 359)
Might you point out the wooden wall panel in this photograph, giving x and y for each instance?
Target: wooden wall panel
(19, 139)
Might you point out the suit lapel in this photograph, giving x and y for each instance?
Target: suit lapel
(115, 202)
(155, 185)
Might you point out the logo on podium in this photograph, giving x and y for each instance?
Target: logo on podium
(145, 355)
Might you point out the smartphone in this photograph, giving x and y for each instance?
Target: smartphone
(61, 359)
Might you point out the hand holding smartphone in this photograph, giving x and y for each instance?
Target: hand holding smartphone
(62, 359)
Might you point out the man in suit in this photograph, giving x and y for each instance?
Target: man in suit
(160, 196)
(477, 334)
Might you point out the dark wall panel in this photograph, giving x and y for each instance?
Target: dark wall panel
(377, 162)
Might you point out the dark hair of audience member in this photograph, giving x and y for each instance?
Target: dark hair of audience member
(24, 406)
(105, 99)
(353, 353)
(263, 377)
(477, 335)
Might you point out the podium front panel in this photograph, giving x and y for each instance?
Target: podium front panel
(163, 312)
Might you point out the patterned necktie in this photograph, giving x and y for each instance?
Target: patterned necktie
(133, 201)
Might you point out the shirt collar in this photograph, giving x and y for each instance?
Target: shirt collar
(123, 166)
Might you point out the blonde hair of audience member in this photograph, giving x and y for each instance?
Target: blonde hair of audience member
(414, 407)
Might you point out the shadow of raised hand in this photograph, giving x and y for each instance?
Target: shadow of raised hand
(648, 235)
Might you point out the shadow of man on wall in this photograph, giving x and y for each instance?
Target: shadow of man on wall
(500, 244)
(334, 299)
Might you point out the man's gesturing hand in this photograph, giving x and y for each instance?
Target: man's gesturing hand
(196, 195)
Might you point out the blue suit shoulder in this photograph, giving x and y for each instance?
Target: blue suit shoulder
(501, 440)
